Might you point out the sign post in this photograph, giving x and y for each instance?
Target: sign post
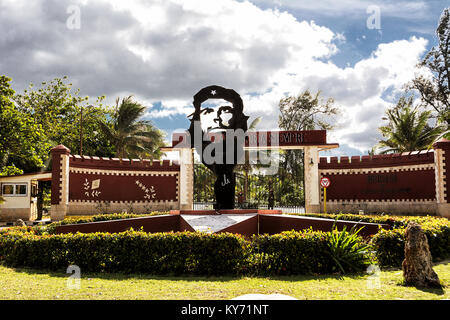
(325, 183)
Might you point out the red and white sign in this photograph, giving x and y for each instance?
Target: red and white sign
(325, 182)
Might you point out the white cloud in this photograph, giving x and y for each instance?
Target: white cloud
(165, 51)
(358, 91)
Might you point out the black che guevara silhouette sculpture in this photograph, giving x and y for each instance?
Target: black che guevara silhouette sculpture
(224, 186)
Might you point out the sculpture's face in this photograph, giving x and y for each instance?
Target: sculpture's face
(219, 119)
(224, 117)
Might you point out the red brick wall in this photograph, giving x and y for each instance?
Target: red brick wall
(106, 179)
(122, 187)
(401, 185)
(389, 183)
(272, 224)
(378, 161)
(122, 164)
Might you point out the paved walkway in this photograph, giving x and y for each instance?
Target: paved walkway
(214, 223)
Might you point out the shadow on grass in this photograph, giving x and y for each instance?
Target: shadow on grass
(437, 291)
(184, 277)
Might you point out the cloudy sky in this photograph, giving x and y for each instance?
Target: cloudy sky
(360, 53)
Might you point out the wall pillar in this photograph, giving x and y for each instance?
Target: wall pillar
(312, 190)
(60, 182)
(442, 174)
(186, 185)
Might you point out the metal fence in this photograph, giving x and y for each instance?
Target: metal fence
(284, 209)
(253, 191)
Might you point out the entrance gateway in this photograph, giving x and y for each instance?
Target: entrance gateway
(412, 183)
(225, 143)
(310, 141)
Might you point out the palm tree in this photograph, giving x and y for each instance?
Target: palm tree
(131, 137)
(408, 128)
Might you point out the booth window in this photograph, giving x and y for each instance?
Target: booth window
(14, 189)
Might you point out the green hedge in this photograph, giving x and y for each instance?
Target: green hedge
(290, 253)
(393, 221)
(389, 244)
(130, 251)
(304, 252)
(199, 253)
(293, 253)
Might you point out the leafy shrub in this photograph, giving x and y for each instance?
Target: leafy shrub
(393, 221)
(292, 252)
(348, 250)
(309, 252)
(389, 244)
(130, 251)
(124, 215)
(389, 247)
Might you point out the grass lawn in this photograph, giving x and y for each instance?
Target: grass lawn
(33, 284)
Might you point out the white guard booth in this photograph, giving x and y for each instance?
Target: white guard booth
(20, 196)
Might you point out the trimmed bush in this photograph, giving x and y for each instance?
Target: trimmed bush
(389, 247)
(198, 253)
(130, 251)
(393, 221)
(389, 244)
(293, 252)
(309, 252)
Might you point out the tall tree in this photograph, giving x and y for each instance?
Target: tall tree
(307, 111)
(434, 90)
(131, 137)
(408, 128)
(21, 138)
(59, 109)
